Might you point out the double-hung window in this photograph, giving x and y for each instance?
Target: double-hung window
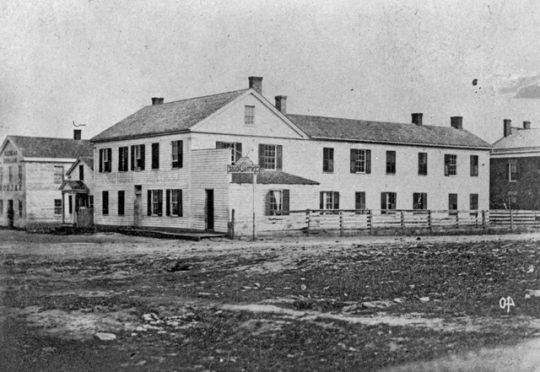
(155, 156)
(174, 203)
(328, 160)
(249, 115)
(123, 156)
(450, 165)
(155, 202)
(474, 165)
(105, 203)
(105, 160)
(271, 157)
(473, 204)
(453, 203)
(512, 174)
(422, 163)
(58, 174)
(390, 162)
(137, 157)
(360, 161)
(329, 200)
(177, 148)
(121, 202)
(388, 201)
(277, 202)
(81, 172)
(360, 200)
(236, 149)
(419, 200)
(57, 206)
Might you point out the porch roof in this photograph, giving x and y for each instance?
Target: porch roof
(74, 186)
(272, 178)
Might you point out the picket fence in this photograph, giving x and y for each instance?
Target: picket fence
(376, 221)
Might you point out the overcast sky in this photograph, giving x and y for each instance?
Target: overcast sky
(96, 62)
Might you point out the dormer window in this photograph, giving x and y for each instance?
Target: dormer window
(249, 116)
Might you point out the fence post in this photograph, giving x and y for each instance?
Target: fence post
(511, 220)
(484, 220)
(232, 225)
(370, 221)
(307, 221)
(340, 223)
(457, 219)
(535, 219)
(430, 222)
(402, 222)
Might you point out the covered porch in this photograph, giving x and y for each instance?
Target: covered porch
(77, 204)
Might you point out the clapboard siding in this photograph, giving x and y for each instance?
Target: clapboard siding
(209, 171)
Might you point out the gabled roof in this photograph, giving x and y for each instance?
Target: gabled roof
(519, 140)
(88, 160)
(272, 178)
(325, 128)
(74, 185)
(168, 117)
(45, 147)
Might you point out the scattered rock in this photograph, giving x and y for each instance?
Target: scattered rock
(533, 292)
(376, 304)
(424, 299)
(303, 287)
(105, 336)
(179, 266)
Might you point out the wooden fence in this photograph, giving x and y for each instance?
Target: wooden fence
(376, 221)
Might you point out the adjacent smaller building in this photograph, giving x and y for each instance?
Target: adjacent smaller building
(77, 192)
(31, 172)
(515, 169)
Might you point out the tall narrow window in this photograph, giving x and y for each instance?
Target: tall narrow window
(512, 171)
(249, 117)
(20, 175)
(419, 200)
(105, 160)
(453, 203)
(473, 202)
(121, 202)
(236, 149)
(360, 200)
(390, 162)
(328, 160)
(277, 202)
(10, 175)
(174, 203)
(58, 174)
(155, 202)
(57, 206)
(450, 165)
(360, 161)
(155, 156)
(105, 203)
(177, 154)
(138, 155)
(1, 207)
(123, 156)
(271, 157)
(474, 165)
(329, 200)
(81, 172)
(422, 163)
(388, 201)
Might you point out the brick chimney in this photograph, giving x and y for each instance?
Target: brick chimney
(457, 122)
(77, 134)
(157, 101)
(281, 103)
(526, 125)
(507, 127)
(417, 118)
(255, 83)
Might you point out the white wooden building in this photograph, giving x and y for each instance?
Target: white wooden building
(31, 172)
(78, 190)
(166, 165)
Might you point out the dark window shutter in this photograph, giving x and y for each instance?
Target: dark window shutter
(446, 165)
(143, 160)
(383, 200)
(517, 171)
(321, 199)
(168, 202)
(353, 161)
(261, 155)
(155, 156)
(368, 161)
(180, 154)
(149, 200)
(160, 202)
(279, 153)
(336, 200)
(132, 157)
(100, 161)
(286, 202)
(267, 204)
(331, 160)
(109, 164)
(238, 151)
(180, 204)
(120, 159)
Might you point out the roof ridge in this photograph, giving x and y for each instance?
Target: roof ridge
(368, 121)
(193, 98)
(39, 137)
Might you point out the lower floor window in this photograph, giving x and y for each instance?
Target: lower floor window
(473, 202)
(360, 200)
(57, 206)
(329, 200)
(155, 202)
(388, 201)
(174, 203)
(277, 202)
(105, 203)
(453, 203)
(419, 200)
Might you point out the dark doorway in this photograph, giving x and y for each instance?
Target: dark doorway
(209, 208)
(10, 213)
(137, 207)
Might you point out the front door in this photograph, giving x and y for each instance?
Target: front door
(209, 208)
(137, 207)
(10, 213)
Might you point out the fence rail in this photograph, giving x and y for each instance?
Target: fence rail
(370, 221)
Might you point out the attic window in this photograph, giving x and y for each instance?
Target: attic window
(250, 115)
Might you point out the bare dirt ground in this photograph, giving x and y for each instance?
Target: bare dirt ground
(109, 302)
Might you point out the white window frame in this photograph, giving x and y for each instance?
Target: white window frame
(178, 202)
(328, 199)
(388, 202)
(452, 165)
(58, 178)
(269, 158)
(360, 161)
(123, 155)
(249, 115)
(57, 207)
(512, 171)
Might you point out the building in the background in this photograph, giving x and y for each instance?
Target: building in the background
(31, 172)
(166, 164)
(77, 192)
(515, 169)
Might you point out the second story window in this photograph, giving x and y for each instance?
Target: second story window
(512, 174)
(155, 156)
(328, 160)
(271, 157)
(137, 157)
(236, 149)
(249, 116)
(422, 163)
(81, 172)
(474, 165)
(123, 156)
(390, 162)
(177, 154)
(450, 165)
(58, 174)
(360, 161)
(105, 160)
